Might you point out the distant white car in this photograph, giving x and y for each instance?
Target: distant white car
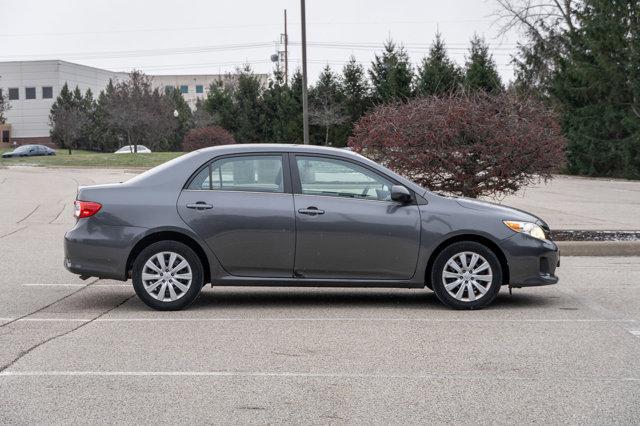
(127, 149)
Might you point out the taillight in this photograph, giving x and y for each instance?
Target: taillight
(86, 208)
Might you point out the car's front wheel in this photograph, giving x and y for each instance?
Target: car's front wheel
(466, 275)
(167, 275)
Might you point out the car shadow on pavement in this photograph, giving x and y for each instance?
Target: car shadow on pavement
(340, 298)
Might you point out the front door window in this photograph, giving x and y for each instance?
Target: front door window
(339, 178)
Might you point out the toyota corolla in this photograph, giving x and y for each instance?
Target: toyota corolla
(288, 215)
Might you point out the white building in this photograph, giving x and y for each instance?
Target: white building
(31, 88)
(192, 87)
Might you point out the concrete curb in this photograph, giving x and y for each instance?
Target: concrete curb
(599, 248)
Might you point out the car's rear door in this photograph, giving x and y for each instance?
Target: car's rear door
(347, 225)
(242, 206)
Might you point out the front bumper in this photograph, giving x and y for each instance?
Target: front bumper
(532, 262)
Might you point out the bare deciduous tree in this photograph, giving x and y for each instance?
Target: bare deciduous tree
(326, 113)
(70, 122)
(202, 117)
(4, 106)
(139, 113)
(535, 15)
(545, 24)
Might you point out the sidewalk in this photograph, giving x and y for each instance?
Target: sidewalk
(568, 202)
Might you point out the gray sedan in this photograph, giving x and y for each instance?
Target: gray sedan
(288, 215)
(29, 151)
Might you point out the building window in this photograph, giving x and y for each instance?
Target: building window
(47, 92)
(167, 89)
(199, 88)
(184, 89)
(14, 94)
(30, 92)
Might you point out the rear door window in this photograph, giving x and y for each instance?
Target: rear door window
(252, 173)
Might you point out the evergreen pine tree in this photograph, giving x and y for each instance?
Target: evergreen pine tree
(184, 120)
(438, 74)
(237, 105)
(356, 90)
(391, 74)
(247, 106)
(103, 137)
(220, 105)
(70, 118)
(281, 111)
(481, 72)
(87, 105)
(596, 85)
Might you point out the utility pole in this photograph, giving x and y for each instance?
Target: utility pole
(286, 51)
(305, 100)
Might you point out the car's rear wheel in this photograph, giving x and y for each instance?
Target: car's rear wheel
(167, 275)
(466, 275)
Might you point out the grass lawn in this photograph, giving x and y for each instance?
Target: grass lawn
(93, 159)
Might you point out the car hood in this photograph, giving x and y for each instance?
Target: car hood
(506, 213)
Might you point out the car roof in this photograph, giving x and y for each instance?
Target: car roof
(174, 173)
(278, 147)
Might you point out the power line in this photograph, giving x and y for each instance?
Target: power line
(413, 47)
(407, 46)
(242, 26)
(148, 52)
(206, 65)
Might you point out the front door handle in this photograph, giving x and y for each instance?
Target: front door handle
(200, 205)
(311, 211)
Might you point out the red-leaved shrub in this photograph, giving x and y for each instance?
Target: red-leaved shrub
(467, 144)
(204, 137)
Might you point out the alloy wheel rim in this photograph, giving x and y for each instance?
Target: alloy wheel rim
(467, 276)
(166, 276)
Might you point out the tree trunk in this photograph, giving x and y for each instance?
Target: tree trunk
(326, 137)
(132, 148)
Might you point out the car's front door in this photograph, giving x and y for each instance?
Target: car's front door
(347, 225)
(242, 207)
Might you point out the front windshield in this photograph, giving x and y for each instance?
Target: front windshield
(23, 148)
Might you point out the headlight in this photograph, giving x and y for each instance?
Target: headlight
(526, 228)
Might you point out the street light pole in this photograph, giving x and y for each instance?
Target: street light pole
(305, 101)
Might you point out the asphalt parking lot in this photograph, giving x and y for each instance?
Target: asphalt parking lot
(75, 351)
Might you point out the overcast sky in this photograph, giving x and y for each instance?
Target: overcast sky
(207, 36)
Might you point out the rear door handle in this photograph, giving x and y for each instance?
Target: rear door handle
(311, 211)
(200, 205)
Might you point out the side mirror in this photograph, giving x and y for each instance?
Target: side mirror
(400, 194)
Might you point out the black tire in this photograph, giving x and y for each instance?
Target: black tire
(439, 267)
(197, 275)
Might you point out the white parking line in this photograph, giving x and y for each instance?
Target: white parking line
(337, 375)
(337, 319)
(75, 285)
